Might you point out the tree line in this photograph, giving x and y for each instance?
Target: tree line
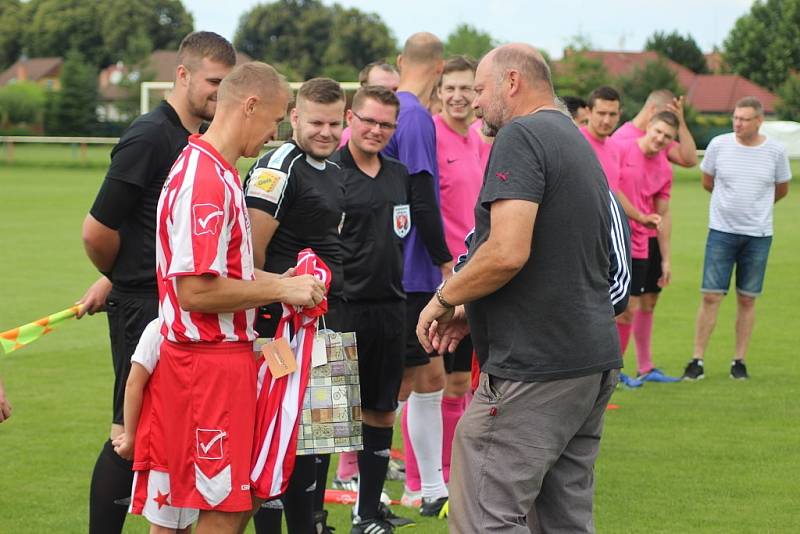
(305, 38)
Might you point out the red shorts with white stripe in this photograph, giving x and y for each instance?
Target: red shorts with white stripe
(201, 427)
(149, 430)
(152, 499)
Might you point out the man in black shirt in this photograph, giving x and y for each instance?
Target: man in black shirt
(295, 200)
(377, 193)
(119, 238)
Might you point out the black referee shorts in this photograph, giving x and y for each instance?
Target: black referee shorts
(128, 315)
(645, 275)
(415, 354)
(459, 361)
(379, 328)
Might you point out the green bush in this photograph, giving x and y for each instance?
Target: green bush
(72, 110)
(788, 107)
(20, 129)
(21, 103)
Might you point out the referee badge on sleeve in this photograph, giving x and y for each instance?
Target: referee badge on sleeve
(401, 221)
(267, 184)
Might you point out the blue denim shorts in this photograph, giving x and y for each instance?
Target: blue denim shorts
(749, 254)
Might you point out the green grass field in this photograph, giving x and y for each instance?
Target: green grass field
(715, 456)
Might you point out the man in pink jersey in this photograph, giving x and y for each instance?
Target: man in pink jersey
(604, 113)
(683, 152)
(204, 389)
(644, 179)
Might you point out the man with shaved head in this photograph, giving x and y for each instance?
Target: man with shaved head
(538, 310)
(119, 238)
(427, 260)
(203, 392)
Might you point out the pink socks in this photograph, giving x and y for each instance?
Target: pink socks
(642, 336)
(624, 331)
(413, 482)
(348, 465)
(452, 410)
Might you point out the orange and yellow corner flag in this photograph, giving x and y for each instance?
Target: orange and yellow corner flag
(16, 338)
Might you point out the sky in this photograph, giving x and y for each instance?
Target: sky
(550, 25)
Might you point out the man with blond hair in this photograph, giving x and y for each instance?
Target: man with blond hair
(119, 238)
(203, 392)
(539, 313)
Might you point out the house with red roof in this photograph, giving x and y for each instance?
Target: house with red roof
(160, 67)
(45, 71)
(706, 93)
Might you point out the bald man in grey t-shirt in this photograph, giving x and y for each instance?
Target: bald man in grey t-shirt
(539, 311)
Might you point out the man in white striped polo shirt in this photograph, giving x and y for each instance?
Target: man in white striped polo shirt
(751, 173)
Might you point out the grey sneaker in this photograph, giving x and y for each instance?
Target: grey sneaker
(694, 370)
(396, 470)
(739, 370)
(346, 485)
(397, 522)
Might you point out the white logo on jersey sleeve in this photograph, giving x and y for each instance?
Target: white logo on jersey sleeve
(206, 218)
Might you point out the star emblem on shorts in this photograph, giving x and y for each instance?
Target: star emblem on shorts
(162, 499)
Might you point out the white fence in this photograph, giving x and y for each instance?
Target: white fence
(80, 144)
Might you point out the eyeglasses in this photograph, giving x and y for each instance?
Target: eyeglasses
(372, 123)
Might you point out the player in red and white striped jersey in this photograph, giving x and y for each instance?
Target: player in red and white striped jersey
(204, 389)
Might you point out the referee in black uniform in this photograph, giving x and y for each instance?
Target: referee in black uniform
(378, 216)
(295, 200)
(119, 238)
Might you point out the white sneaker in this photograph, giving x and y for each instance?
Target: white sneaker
(411, 499)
